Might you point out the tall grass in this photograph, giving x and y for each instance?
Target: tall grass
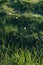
(20, 56)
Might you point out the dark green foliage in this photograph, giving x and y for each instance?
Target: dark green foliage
(29, 25)
(21, 26)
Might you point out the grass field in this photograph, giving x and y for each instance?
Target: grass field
(21, 32)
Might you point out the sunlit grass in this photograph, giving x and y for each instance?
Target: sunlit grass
(21, 57)
(11, 28)
(32, 1)
(30, 14)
